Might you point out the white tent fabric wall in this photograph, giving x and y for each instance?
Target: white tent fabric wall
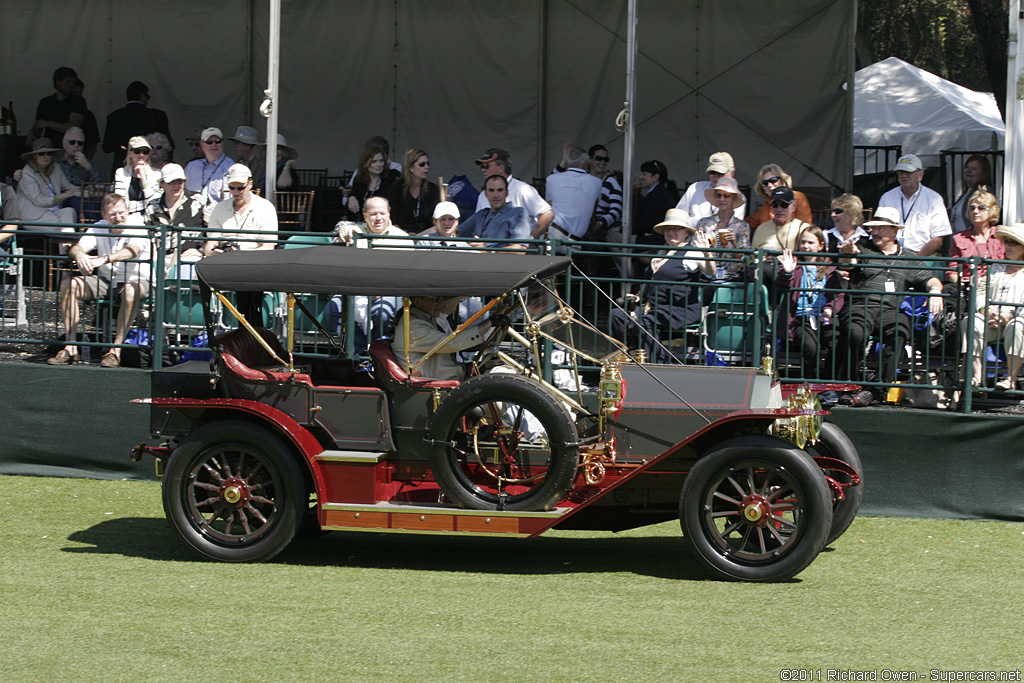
(760, 80)
(896, 103)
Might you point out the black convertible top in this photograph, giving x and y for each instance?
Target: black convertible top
(334, 269)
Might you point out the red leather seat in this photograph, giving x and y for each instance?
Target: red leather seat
(386, 363)
(244, 356)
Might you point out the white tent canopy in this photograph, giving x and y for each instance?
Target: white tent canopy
(896, 103)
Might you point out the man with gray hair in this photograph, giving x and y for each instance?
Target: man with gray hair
(76, 166)
(572, 195)
(921, 209)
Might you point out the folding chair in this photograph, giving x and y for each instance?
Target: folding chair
(729, 325)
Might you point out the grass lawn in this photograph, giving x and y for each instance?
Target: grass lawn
(94, 587)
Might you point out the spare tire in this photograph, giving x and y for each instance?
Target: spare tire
(503, 442)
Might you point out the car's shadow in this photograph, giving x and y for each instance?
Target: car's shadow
(656, 556)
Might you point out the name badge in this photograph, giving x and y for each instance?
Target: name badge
(890, 286)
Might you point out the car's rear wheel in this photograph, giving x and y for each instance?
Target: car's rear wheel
(834, 443)
(756, 509)
(233, 491)
(503, 442)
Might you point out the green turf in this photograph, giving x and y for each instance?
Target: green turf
(94, 587)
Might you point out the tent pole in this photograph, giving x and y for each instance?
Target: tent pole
(627, 152)
(1014, 118)
(269, 108)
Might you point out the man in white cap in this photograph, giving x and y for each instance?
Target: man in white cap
(873, 305)
(922, 213)
(695, 203)
(207, 175)
(247, 212)
(181, 208)
(244, 143)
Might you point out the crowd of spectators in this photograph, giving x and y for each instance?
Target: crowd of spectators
(832, 284)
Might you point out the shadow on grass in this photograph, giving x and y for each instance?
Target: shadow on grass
(656, 556)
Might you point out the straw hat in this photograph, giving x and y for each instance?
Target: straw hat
(885, 216)
(41, 146)
(674, 218)
(1014, 232)
(725, 184)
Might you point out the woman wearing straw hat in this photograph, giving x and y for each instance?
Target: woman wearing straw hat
(724, 229)
(670, 301)
(995, 317)
(43, 187)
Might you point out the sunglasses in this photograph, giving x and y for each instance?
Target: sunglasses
(158, 146)
(723, 195)
(213, 141)
(768, 181)
(1009, 242)
(601, 158)
(76, 143)
(977, 207)
(779, 205)
(142, 151)
(422, 164)
(236, 188)
(837, 211)
(44, 154)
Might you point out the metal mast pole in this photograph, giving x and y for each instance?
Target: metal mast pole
(269, 106)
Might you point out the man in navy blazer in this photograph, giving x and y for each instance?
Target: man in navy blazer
(135, 118)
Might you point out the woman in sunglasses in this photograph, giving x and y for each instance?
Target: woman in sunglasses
(847, 216)
(43, 187)
(414, 197)
(978, 240)
(137, 181)
(770, 177)
(997, 317)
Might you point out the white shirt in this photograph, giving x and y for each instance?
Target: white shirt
(923, 216)
(697, 206)
(573, 195)
(519, 194)
(100, 238)
(260, 215)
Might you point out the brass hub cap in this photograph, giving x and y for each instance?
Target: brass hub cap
(234, 492)
(755, 509)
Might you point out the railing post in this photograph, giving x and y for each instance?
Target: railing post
(968, 322)
(156, 322)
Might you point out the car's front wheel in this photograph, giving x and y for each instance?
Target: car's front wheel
(756, 509)
(233, 491)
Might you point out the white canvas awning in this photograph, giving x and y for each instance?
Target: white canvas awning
(896, 103)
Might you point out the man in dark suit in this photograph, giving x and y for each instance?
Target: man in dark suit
(135, 118)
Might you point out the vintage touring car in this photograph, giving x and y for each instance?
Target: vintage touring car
(261, 441)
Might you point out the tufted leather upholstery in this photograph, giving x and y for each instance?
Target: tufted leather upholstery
(386, 363)
(244, 356)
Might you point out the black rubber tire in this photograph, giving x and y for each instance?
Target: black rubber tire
(726, 484)
(222, 460)
(834, 443)
(469, 485)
